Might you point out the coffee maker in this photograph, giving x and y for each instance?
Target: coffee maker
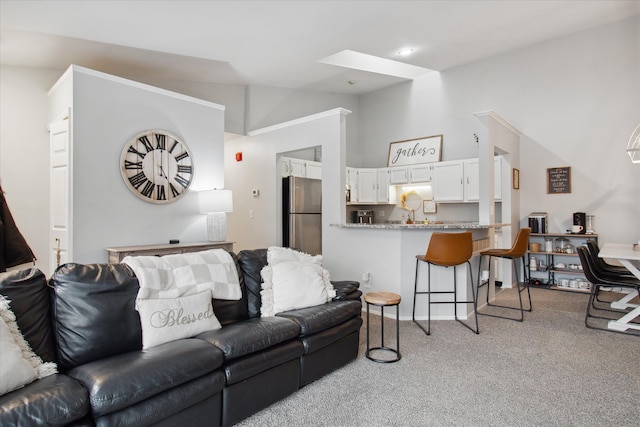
(580, 218)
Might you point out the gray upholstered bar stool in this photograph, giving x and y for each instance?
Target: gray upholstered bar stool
(382, 300)
(446, 250)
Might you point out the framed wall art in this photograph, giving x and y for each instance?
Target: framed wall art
(516, 179)
(559, 180)
(429, 206)
(427, 149)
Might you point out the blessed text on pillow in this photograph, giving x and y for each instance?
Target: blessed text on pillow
(170, 319)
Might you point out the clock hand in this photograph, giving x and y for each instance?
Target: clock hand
(162, 174)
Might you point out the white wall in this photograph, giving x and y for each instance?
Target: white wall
(576, 101)
(258, 170)
(24, 152)
(108, 111)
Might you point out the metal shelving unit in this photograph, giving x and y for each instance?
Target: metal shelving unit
(551, 275)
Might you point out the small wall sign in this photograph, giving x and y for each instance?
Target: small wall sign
(415, 151)
(559, 180)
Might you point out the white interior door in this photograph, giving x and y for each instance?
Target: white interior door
(60, 194)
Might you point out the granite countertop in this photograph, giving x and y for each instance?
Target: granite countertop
(420, 226)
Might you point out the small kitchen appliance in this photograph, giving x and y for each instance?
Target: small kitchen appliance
(538, 222)
(580, 218)
(363, 216)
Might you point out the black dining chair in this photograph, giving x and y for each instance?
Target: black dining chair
(599, 280)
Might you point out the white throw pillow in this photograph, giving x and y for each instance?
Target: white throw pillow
(293, 280)
(20, 365)
(170, 319)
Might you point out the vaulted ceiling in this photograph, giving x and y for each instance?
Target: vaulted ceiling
(280, 43)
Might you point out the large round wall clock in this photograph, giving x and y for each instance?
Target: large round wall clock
(157, 166)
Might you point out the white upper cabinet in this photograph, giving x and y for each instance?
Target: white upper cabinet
(302, 168)
(383, 194)
(367, 183)
(472, 179)
(421, 173)
(447, 181)
(398, 175)
(313, 169)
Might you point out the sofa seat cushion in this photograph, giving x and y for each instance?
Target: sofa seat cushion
(250, 336)
(56, 400)
(124, 380)
(327, 337)
(319, 318)
(172, 407)
(253, 364)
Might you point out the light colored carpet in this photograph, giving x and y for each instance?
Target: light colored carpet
(549, 370)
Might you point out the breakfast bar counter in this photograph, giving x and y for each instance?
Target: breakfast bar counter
(422, 226)
(383, 257)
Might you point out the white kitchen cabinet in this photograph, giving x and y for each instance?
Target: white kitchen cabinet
(421, 173)
(448, 181)
(383, 180)
(313, 169)
(472, 179)
(301, 168)
(398, 175)
(497, 178)
(367, 180)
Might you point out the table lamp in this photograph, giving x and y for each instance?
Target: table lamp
(216, 204)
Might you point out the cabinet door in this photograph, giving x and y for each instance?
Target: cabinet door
(367, 180)
(398, 175)
(422, 173)
(60, 232)
(382, 195)
(497, 178)
(352, 185)
(296, 168)
(313, 170)
(472, 180)
(447, 182)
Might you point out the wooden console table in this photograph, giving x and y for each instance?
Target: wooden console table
(117, 254)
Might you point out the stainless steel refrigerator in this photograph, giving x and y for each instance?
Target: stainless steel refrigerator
(302, 214)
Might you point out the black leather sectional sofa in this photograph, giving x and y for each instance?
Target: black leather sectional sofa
(84, 319)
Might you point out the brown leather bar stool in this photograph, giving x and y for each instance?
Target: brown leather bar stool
(446, 250)
(517, 251)
(382, 300)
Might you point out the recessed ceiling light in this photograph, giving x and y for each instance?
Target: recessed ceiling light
(406, 51)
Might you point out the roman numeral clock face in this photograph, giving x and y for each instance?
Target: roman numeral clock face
(157, 167)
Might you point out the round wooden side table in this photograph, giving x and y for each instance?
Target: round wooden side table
(382, 300)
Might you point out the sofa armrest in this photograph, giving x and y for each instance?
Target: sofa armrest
(346, 290)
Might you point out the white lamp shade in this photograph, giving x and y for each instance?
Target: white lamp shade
(215, 201)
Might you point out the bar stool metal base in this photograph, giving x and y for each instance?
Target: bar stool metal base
(382, 300)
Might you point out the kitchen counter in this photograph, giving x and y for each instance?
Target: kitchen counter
(421, 226)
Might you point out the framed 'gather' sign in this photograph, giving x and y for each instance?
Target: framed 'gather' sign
(415, 151)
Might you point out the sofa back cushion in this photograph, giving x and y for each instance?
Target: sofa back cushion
(251, 263)
(94, 310)
(30, 302)
(230, 311)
